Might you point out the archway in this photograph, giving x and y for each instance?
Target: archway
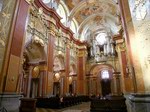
(105, 82)
(34, 60)
(100, 80)
(73, 79)
(59, 77)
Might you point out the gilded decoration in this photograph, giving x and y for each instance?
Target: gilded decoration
(81, 53)
(37, 26)
(5, 20)
(121, 47)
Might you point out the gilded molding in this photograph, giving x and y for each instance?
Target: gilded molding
(68, 45)
(81, 53)
(52, 33)
(122, 47)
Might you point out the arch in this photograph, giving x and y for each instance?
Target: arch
(74, 25)
(63, 12)
(96, 65)
(99, 67)
(90, 18)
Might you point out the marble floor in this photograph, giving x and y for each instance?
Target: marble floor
(83, 107)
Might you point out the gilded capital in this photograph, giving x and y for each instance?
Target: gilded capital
(121, 47)
(81, 53)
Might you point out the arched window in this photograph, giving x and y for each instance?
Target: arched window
(101, 38)
(105, 74)
(74, 26)
(62, 13)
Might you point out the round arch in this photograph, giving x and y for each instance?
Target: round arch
(101, 66)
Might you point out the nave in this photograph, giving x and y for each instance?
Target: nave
(52, 48)
(83, 107)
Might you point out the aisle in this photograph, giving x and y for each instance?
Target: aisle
(83, 107)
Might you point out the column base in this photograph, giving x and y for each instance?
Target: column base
(10, 102)
(139, 102)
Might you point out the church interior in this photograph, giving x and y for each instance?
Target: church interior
(63, 53)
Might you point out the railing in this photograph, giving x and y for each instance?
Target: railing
(3, 109)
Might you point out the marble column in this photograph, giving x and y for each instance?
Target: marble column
(81, 71)
(117, 83)
(29, 81)
(67, 67)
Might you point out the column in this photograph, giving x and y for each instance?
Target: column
(50, 59)
(127, 84)
(81, 72)
(67, 67)
(40, 84)
(14, 50)
(132, 43)
(6, 27)
(117, 83)
(29, 81)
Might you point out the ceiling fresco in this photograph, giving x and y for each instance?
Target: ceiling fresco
(72, 3)
(94, 8)
(93, 16)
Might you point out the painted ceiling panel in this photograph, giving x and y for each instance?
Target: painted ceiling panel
(93, 16)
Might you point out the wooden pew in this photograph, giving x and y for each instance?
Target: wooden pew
(54, 102)
(108, 104)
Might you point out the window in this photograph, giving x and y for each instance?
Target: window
(101, 38)
(62, 13)
(74, 25)
(105, 74)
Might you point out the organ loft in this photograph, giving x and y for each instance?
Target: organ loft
(81, 55)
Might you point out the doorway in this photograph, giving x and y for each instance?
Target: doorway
(106, 86)
(56, 88)
(34, 92)
(70, 88)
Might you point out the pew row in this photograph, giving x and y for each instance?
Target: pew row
(108, 104)
(56, 103)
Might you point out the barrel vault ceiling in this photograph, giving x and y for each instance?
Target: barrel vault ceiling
(94, 17)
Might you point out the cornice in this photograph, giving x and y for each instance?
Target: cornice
(51, 12)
